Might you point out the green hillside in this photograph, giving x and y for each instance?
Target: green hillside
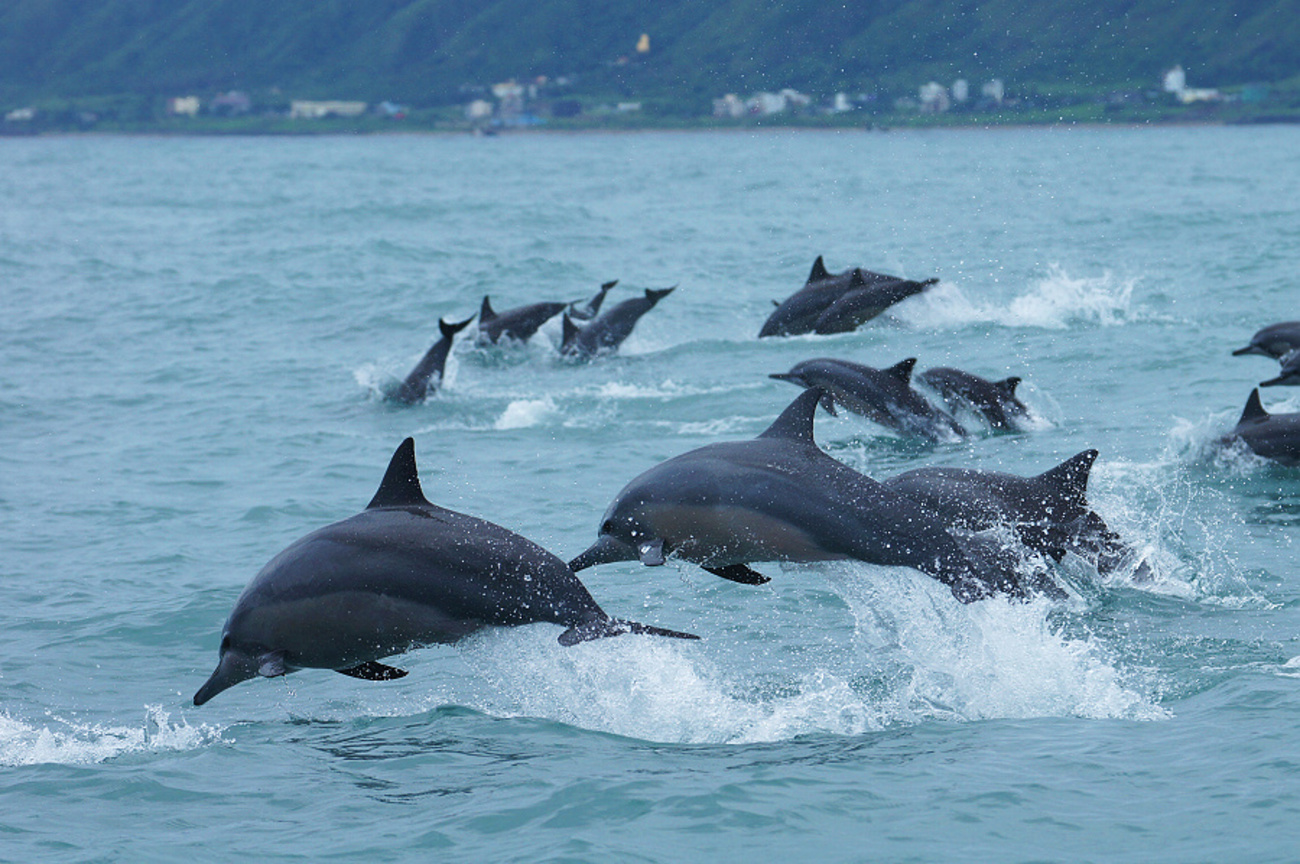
(435, 52)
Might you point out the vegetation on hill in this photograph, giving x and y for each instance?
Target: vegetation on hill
(429, 53)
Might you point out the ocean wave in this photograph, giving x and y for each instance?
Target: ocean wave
(1056, 302)
(73, 743)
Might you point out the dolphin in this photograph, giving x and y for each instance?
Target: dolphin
(860, 304)
(883, 395)
(837, 302)
(995, 400)
(1049, 512)
(1273, 341)
(610, 328)
(518, 324)
(400, 574)
(588, 310)
(427, 374)
(1273, 436)
(779, 497)
(1289, 375)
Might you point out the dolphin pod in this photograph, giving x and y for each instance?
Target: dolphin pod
(838, 302)
(427, 374)
(883, 395)
(608, 330)
(779, 497)
(995, 401)
(1272, 436)
(1048, 512)
(400, 574)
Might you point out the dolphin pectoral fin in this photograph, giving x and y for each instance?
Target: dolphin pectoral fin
(372, 671)
(651, 553)
(272, 665)
(741, 573)
(602, 629)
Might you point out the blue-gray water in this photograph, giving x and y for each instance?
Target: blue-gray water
(194, 337)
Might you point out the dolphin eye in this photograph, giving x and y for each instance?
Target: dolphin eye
(225, 643)
(607, 527)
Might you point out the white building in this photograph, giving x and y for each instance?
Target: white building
(729, 106)
(994, 90)
(185, 106)
(1175, 80)
(479, 109)
(960, 90)
(304, 109)
(934, 98)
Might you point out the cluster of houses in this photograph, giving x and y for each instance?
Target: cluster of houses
(236, 103)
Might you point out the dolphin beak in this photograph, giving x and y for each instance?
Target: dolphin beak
(1249, 349)
(233, 668)
(786, 376)
(605, 550)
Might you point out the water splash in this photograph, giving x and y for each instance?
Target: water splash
(72, 743)
(1056, 302)
(526, 413)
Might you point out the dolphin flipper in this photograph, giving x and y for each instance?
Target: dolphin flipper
(601, 629)
(373, 671)
(741, 573)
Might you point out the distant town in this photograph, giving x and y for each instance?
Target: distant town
(560, 103)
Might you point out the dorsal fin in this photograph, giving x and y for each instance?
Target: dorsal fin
(818, 271)
(1071, 476)
(655, 295)
(1254, 408)
(569, 333)
(485, 313)
(796, 421)
(1007, 386)
(450, 330)
(401, 484)
(903, 370)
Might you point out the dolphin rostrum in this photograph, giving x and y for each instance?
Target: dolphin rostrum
(779, 497)
(1272, 436)
(427, 374)
(994, 400)
(883, 395)
(1274, 340)
(1049, 512)
(1289, 374)
(607, 331)
(400, 574)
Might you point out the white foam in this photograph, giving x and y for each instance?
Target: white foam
(1055, 302)
(68, 742)
(526, 413)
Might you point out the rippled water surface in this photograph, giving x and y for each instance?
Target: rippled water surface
(196, 337)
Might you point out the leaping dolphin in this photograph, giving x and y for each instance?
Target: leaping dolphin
(883, 395)
(1049, 512)
(427, 374)
(994, 400)
(1272, 436)
(838, 302)
(608, 331)
(1273, 341)
(1289, 375)
(779, 497)
(400, 574)
(518, 324)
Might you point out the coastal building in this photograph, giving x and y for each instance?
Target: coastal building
(183, 106)
(305, 109)
(934, 98)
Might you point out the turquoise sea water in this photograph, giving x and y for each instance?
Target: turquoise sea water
(194, 340)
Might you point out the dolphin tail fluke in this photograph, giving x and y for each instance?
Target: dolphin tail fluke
(605, 286)
(654, 295)
(1254, 409)
(926, 283)
(450, 330)
(604, 628)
